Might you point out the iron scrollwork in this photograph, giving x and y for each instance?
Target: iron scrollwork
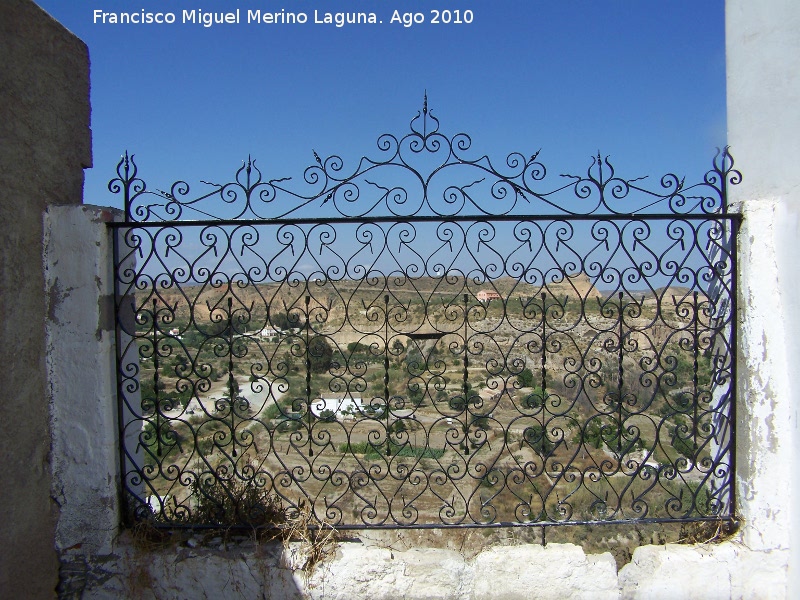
(427, 340)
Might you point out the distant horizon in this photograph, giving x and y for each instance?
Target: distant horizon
(316, 281)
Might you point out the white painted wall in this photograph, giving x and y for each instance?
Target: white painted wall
(763, 76)
(81, 369)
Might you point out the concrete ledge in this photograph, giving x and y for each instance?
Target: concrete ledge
(363, 572)
(728, 570)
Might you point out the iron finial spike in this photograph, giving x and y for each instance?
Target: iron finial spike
(600, 166)
(425, 115)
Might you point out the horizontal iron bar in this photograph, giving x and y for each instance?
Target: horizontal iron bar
(628, 522)
(428, 219)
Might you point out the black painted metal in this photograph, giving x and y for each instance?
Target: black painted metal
(427, 341)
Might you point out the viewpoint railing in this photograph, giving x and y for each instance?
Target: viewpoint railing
(426, 341)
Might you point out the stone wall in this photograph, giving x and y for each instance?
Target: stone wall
(45, 143)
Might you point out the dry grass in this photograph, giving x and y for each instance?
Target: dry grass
(707, 532)
(306, 540)
(315, 541)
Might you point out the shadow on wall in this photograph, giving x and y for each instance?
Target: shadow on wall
(161, 564)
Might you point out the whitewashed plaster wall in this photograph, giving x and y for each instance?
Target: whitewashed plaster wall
(80, 362)
(763, 78)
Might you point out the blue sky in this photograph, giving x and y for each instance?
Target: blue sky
(639, 80)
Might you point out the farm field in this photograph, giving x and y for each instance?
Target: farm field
(413, 401)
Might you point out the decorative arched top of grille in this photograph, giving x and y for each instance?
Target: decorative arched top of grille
(423, 174)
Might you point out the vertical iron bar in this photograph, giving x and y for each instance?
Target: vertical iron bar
(231, 394)
(544, 337)
(308, 374)
(155, 378)
(386, 372)
(544, 371)
(465, 386)
(620, 374)
(734, 225)
(695, 393)
(126, 508)
(127, 190)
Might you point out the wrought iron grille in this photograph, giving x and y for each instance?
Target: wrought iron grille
(427, 340)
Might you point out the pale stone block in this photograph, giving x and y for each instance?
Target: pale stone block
(359, 572)
(556, 571)
(725, 571)
(658, 572)
(437, 574)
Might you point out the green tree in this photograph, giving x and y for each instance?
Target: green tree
(536, 437)
(281, 320)
(415, 394)
(682, 443)
(592, 434)
(398, 426)
(525, 379)
(535, 399)
(356, 347)
(320, 354)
